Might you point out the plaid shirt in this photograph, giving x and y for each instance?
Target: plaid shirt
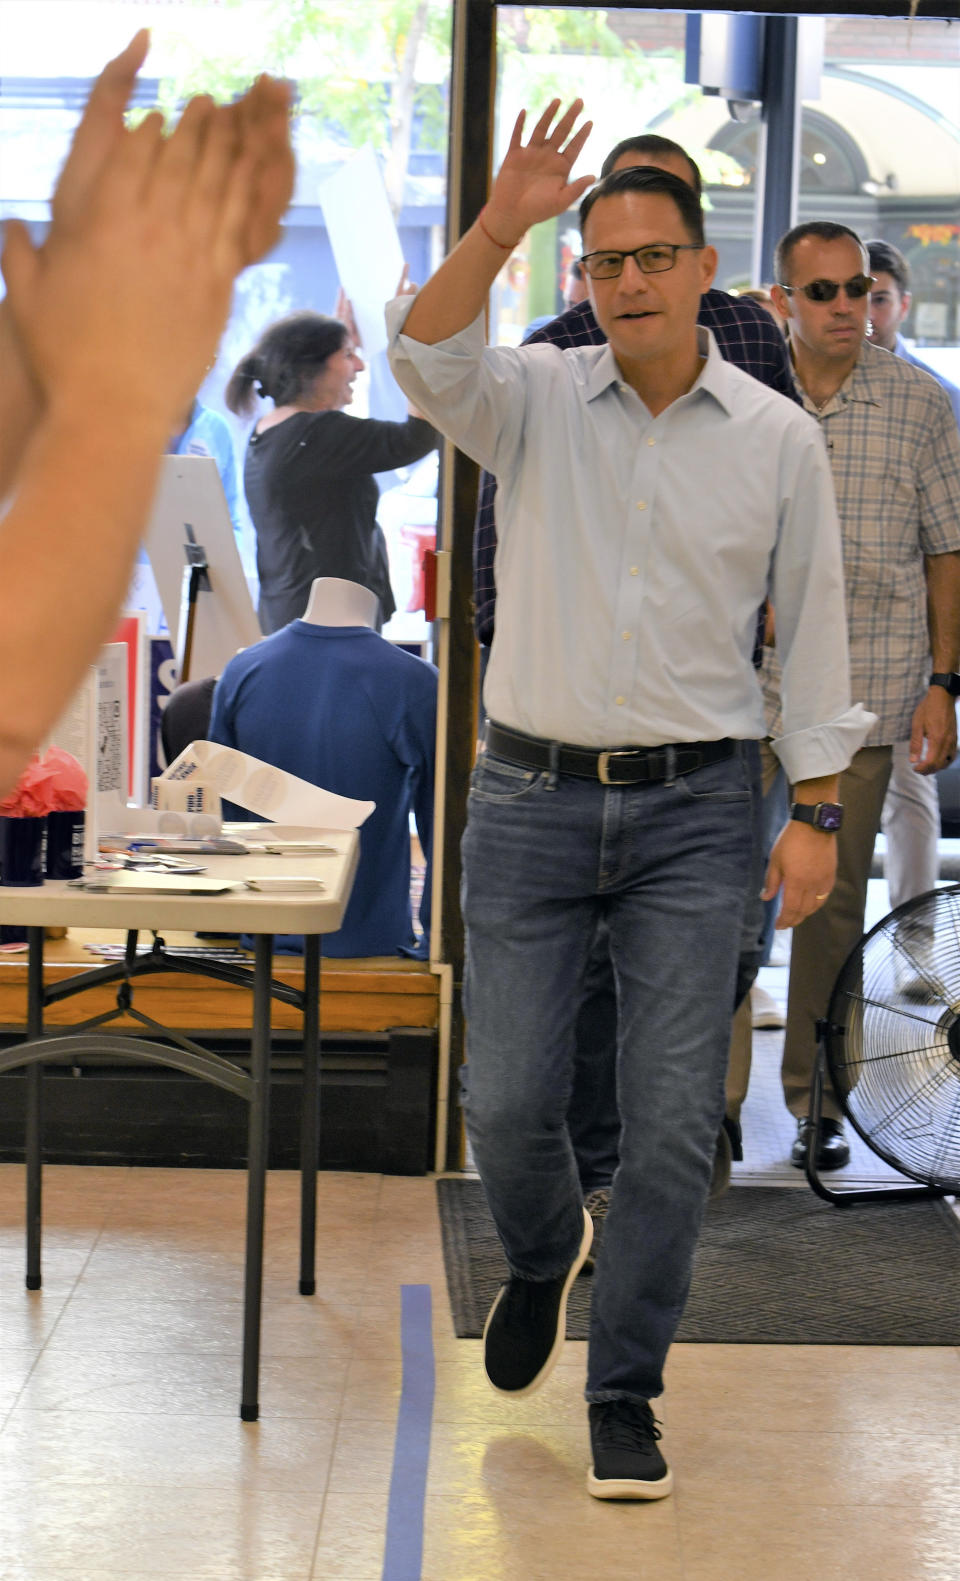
(895, 456)
(746, 336)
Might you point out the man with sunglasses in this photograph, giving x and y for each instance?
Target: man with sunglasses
(895, 457)
(621, 693)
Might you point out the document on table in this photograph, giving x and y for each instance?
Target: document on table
(186, 884)
(156, 884)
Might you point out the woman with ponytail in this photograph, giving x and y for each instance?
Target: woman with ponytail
(309, 467)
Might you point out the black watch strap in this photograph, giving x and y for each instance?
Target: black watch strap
(948, 679)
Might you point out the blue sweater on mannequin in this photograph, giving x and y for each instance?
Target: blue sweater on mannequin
(343, 708)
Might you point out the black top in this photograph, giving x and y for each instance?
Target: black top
(186, 717)
(313, 501)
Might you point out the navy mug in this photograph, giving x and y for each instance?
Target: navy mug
(65, 832)
(21, 851)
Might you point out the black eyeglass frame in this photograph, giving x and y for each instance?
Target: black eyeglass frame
(615, 252)
(822, 291)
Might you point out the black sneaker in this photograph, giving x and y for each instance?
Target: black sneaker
(526, 1326)
(626, 1461)
(596, 1203)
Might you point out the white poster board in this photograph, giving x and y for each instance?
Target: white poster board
(190, 504)
(366, 247)
(76, 731)
(113, 724)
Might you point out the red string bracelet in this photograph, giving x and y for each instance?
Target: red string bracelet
(502, 245)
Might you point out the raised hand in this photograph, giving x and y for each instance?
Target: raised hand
(406, 286)
(132, 288)
(533, 183)
(101, 128)
(264, 114)
(344, 312)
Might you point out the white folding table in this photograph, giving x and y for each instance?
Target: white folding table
(310, 912)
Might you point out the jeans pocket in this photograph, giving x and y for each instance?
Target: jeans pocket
(496, 780)
(725, 781)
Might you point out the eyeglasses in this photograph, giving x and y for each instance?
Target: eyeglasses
(655, 259)
(826, 290)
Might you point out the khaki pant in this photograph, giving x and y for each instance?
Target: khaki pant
(822, 943)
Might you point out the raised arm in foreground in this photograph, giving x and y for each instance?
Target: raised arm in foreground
(111, 326)
(21, 402)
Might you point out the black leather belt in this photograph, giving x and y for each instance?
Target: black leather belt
(616, 766)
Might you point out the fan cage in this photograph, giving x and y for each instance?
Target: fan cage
(893, 1038)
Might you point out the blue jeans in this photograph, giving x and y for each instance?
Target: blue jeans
(593, 1118)
(667, 866)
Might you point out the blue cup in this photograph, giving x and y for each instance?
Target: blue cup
(21, 851)
(65, 844)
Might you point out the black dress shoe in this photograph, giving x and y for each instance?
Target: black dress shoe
(833, 1150)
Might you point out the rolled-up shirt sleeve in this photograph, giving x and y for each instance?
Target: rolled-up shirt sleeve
(822, 729)
(475, 394)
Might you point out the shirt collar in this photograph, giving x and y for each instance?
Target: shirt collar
(862, 384)
(714, 377)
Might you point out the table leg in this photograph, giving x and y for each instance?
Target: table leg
(259, 1134)
(310, 1115)
(32, 1142)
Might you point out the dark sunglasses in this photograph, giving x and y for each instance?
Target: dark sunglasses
(826, 290)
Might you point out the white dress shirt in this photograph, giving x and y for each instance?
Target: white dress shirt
(635, 551)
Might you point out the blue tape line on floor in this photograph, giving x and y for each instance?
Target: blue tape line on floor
(403, 1555)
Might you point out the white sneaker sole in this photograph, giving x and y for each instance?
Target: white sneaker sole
(765, 1012)
(554, 1356)
(629, 1488)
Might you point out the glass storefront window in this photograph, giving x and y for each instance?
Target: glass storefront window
(880, 147)
(880, 151)
(628, 67)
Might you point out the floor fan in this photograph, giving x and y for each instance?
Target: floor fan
(891, 1044)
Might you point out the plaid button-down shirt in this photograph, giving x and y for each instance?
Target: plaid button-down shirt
(895, 456)
(746, 336)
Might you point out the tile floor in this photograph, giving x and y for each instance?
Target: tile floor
(122, 1457)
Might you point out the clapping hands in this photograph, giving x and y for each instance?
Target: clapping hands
(127, 298)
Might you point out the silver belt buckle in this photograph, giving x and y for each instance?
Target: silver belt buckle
(603, 766)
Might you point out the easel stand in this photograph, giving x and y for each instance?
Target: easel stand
(196, 579)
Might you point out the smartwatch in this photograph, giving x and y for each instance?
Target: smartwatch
(948, 679)
(825, 815)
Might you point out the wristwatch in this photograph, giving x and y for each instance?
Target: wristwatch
(825, 815)
(948, 679)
